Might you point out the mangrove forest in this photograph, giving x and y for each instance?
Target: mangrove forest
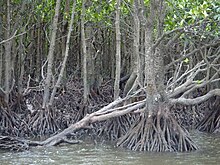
(140, 74)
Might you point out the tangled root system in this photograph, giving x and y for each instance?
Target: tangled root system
(158, 132)
(211, 121)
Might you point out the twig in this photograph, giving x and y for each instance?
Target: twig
(191, 53)
(13, 36)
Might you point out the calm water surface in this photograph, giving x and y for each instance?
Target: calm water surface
(90, 154)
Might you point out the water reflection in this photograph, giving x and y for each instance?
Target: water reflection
(89, 154)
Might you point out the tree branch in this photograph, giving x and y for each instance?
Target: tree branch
(191, 53)
(198, 100)
(166, 34)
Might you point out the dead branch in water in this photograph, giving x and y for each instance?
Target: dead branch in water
(105, 113)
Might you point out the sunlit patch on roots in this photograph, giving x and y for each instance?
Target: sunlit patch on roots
(158, 132)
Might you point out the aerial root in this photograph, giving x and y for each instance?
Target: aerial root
(43, 122)
(144, 132)
(159, 132)
(108, 112)
(9, 122)
(12, 143)
(211, 122)
(114, 128)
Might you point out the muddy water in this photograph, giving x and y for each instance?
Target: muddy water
(90, 154)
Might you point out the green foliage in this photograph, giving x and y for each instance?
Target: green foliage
(199, 81)
(180, 13)
(205, 13)
(186, 60)
(96, 10)
(185, 12)
(100, 12)
(16, 1)
(45, 9)
(103, 11)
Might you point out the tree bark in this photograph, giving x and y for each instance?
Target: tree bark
(149, 61)
(118, 51)
(57, 85)
(8, 46)
(1, 47)
(50, 56)
(84, 52)
(136, 65)
(197, 100)
(21, 65)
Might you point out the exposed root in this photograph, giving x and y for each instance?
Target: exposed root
(189, 116)
(12, 144)
(116, 127)
(103, 114)
(158, 132)
(211, 122)
(23, 116)
(123, 118)
(43, 122)
(9, 122)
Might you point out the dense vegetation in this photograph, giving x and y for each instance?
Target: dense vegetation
(136, 72)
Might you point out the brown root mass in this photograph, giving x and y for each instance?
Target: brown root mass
(115, 128)
(211, 121)
(123, 121)
(157, 132)
(43, 122)
(12, 143)
(9, 122)
(189, 116)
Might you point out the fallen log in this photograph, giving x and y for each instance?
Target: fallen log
(103, 114)
(157, 131)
